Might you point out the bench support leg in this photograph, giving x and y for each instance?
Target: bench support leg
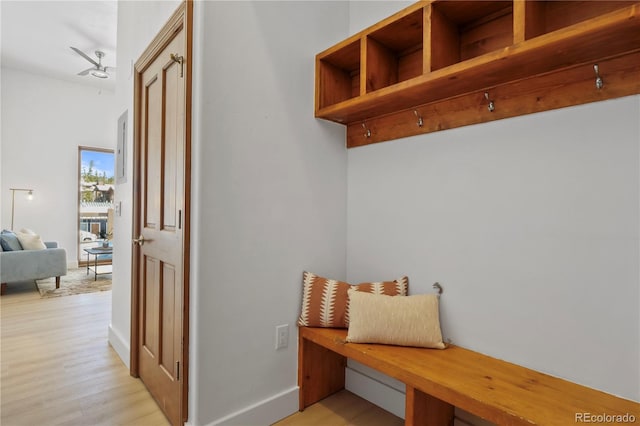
(57, 282)
(424, 409)
(320, 372)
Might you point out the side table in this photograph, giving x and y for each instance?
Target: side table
(98, 269)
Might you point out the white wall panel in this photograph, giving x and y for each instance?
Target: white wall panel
(531, 226)
(271, 198)
(44, 120)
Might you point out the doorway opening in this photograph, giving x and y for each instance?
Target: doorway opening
(95, 201)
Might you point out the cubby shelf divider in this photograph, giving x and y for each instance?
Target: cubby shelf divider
(443, 56)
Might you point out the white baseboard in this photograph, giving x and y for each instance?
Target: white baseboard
(385, 392)
(381, 394)
(120, 345)
(264, 412)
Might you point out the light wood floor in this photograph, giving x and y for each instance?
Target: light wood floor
(57, 368)
(342, 409)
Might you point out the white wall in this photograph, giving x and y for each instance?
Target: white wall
(269, 195)
(44, 120)
(138, 24)
(271, 200)
(364, 13)
(531, 226)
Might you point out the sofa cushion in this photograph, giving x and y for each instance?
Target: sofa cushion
(27, 265)
(9, 241)
(30, 241)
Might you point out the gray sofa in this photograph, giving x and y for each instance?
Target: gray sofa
(27, 265)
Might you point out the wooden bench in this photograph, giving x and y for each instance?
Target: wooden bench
(439, 380)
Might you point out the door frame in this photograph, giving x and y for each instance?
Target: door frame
(182, 18)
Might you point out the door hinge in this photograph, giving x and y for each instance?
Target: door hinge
(177, 370)
(179, 219)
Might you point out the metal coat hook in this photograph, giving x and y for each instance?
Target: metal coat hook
(367, 132)
(438, 287)
(492, 106)
(419, 117)
(599, 82)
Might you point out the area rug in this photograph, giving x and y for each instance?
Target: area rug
(75, 282)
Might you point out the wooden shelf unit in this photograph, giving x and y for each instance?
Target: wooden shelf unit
(338, 75)
(461, 30)
(435, 55)
(395, 52)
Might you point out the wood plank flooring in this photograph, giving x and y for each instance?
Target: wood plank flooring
(342, 409)
(57, 368)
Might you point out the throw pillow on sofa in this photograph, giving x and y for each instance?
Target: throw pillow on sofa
(30, 241)
(9, 241)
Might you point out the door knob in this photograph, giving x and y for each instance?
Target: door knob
(139, 241)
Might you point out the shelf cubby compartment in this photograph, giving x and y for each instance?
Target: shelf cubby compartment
(444, 59)
(462, 30)
(394, 53)
(338, 72)
(544, 16)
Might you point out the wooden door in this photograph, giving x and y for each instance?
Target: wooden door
(161, 246)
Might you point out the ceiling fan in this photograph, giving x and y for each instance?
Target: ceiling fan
(97, 70)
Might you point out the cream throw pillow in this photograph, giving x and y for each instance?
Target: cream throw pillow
(404, 321)
(30, 241)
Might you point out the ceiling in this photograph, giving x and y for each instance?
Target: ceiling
(37, 35)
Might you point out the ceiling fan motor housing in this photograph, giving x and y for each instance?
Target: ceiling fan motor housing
(98, 70)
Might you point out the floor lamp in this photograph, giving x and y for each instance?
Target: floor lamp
(13, 199)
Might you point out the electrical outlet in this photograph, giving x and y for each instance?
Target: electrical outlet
(282, 336)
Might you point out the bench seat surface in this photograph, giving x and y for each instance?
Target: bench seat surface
(496, 390)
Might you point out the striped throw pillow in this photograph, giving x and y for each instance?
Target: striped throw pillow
(325, 302)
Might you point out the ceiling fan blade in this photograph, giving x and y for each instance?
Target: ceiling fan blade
(109, 69)
(84, 55)
(85, 72)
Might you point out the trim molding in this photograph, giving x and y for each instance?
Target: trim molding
(381, 391)
(375, 391)
(267, 411)
(120, 345)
